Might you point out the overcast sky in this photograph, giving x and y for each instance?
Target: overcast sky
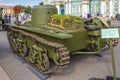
(20, 2)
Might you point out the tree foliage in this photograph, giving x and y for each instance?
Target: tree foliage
(41, 3)
(26, 9)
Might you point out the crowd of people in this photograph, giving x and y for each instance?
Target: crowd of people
(115, 17)
(89, 15)
(22, 17)
(7, 18)
(12, 19)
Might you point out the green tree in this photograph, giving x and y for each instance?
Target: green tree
(28, 9)
(41, 3)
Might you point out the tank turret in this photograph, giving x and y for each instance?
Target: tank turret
(41, 14)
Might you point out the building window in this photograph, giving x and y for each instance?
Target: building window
(116, 6)
(94, 9)
(107, 6)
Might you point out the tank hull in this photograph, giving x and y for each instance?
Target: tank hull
(25, 40)
(73, 41)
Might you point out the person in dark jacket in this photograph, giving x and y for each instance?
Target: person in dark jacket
(89, 15)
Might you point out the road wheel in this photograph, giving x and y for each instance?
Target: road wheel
(43, 61)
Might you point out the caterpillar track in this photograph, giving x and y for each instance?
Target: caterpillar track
(63, 52)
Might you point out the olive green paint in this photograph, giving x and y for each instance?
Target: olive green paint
(74, 37)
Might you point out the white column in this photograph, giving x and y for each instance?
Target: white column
(111, 8)
(88, 8)
(58, 8)
(119, 7)
(102, 7)
(70, 8)
(67, 8)
(85, 8)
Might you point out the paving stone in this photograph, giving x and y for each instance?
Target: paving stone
(3, 75)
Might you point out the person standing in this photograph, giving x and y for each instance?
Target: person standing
(19, 19)
(9, 18)
(13, 19)
(5, 18)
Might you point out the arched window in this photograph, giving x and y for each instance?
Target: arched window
(94, 7)
(116, 6)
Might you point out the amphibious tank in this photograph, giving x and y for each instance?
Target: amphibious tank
(49, 39)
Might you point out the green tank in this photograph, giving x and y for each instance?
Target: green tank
(48, 40)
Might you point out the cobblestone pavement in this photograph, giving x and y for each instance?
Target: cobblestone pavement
(82, 67)
(3, 75)
(14, 68)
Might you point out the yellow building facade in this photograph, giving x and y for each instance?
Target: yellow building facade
(7, 10)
